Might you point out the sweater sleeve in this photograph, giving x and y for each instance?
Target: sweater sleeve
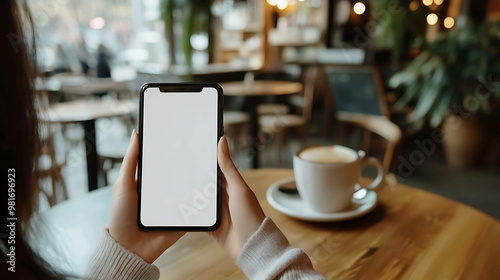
(112, 261)
(268, 255)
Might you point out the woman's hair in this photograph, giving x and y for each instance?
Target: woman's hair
(19, 143)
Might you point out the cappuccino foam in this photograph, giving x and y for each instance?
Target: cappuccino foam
(328, 154)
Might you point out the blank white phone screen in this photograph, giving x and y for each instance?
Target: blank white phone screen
(179, 158)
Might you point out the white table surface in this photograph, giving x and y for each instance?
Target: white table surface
(84, 110)
(72, 230)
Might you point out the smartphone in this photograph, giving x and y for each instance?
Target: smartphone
(179, 179)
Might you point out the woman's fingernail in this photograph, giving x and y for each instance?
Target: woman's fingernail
(133, 134)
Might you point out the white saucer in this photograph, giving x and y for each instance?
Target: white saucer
(292, 205)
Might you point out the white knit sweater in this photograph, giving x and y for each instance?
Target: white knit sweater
(266, 255)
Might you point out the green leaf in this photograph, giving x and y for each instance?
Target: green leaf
(430, 66)
(166, 9)
(409, 95)
(411, 73)
(187, 31)
(429, 95)
(496, 89)
(401, 78)
(425, 102)
(441, 109)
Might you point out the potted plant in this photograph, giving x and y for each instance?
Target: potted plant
(455, 84)
(402, 27)
(194, 15)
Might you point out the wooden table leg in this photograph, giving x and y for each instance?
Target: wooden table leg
(254, 132)
(91, 152)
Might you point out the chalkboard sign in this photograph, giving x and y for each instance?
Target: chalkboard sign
(357, 89)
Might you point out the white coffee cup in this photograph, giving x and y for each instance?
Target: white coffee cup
(327, 176)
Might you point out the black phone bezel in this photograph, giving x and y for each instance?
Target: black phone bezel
(180, 87)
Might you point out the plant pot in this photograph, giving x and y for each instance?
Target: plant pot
(464, 140)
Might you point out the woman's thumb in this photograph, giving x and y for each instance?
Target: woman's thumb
(226, 164)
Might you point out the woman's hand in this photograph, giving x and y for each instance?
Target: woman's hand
(241, 211)
(123, 220)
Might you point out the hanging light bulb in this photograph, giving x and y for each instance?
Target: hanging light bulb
(282, 4)
(427, 2)
(272, 2)
(414, 5)
(432, 19)
(449, 22)
(359, 8)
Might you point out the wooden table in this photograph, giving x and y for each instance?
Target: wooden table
(92, 85)
(82, 85)
(412, 234)
(256, 90)
(86, 112)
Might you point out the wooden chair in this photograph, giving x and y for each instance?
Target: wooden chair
(49, 168)
(272, 109)
(279, 125)
(111, 153)
(353, 89)
(372, 125)
(236, 127)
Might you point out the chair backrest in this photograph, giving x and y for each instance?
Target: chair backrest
(49, 168)
(378, 125)
(305, 100)
(354, 56)
(357, 89)
(309, 85)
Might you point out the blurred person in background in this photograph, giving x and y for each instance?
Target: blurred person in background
(83, 55)
(103, 69)
(125, 252)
